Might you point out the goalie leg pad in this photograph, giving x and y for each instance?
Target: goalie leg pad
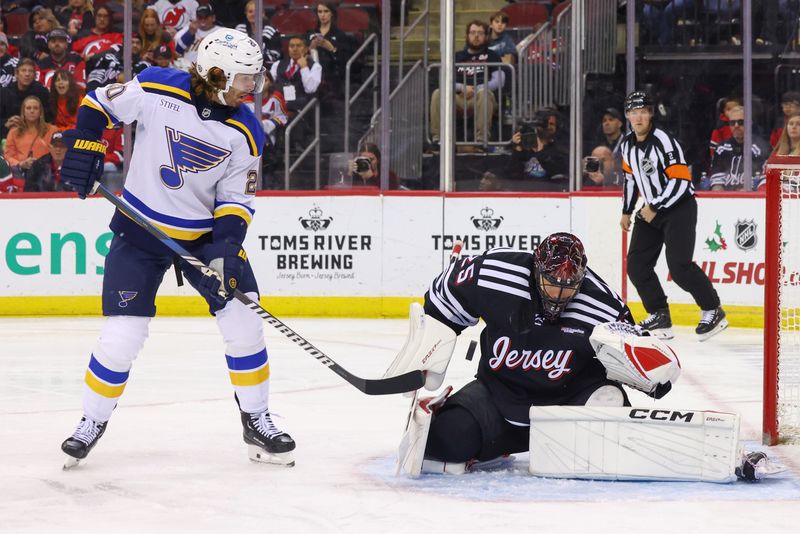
(429, 347)
(633, 444)
(411, 452)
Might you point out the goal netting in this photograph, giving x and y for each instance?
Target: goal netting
(781, 422)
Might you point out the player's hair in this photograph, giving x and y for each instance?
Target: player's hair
(72, 95)
(40, 126)
(784, 145)
(208, 89)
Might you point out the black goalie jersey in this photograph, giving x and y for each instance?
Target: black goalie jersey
(525, 360)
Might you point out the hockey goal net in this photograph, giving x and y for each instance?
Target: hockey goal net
(781, 421)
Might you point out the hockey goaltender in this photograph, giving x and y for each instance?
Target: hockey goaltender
(557, 351)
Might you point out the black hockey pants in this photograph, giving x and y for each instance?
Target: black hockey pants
(674, 229)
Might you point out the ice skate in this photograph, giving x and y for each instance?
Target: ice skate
(659, 323)
(712, 322)
(755, 466)
(82, 441)
(265, 443)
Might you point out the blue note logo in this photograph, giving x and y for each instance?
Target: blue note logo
(189, 154)
(125, 297)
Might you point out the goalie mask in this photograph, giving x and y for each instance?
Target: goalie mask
(560, 265)
(237, 55)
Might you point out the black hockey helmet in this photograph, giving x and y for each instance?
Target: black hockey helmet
(560, 267)
(637, 99)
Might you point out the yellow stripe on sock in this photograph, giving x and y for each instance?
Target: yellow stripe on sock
(252, 378)
(101, 388)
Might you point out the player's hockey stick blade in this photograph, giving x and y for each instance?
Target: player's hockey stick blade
(380, 386)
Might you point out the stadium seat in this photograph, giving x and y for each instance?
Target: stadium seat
(271, 6)
(558, 9)
(17, 23)
(303, 4)
(352, 20)
(294, 21)
(373, 7)
(526, 14)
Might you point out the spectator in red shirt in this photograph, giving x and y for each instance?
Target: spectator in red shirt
(75, 16)
(151, 33)
(65, 98)
(99, 37)
(60, 58)
(723, 130)
(114, 141)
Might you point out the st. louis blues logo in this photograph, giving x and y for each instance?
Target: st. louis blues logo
(125, 297)
(189, 154)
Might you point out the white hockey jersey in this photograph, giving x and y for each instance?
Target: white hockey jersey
(193, 162)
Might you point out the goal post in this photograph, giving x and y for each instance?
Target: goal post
(781, 403)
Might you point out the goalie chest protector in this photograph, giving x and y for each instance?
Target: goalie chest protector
(524, 359)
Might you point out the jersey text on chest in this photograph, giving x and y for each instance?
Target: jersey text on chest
(555, 362)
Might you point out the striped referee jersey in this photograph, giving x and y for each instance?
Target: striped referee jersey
(656, 169)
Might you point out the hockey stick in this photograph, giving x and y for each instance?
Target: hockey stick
(382, 386)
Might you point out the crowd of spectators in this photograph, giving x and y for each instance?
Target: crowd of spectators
(71, 47)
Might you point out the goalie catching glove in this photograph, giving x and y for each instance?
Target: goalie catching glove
(83, 163)
(635, 358)
(429, 347)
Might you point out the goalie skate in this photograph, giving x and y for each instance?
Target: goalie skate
(265, 443)
(82, 441)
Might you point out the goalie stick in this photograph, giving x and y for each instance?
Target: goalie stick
(410, 381)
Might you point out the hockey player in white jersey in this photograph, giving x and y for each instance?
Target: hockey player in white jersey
(193, 174)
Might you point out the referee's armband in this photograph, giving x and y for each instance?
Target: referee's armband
(679, 171)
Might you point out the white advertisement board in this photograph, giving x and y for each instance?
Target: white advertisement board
(730, 250)
(373, 246)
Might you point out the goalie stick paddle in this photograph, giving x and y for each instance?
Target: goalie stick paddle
(410, 381)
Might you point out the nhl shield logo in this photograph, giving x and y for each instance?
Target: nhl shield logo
(206, 113)
(648, 167)
(746, 237)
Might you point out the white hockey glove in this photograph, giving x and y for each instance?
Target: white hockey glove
(429, 347)
(635, 358)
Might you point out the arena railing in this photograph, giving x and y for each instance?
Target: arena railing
(373, 78)
(311, 144)
(423, 17)
(407, 124)
(497, 121)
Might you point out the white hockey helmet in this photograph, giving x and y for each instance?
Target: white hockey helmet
(237, 55)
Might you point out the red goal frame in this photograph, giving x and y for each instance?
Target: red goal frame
(772, 304)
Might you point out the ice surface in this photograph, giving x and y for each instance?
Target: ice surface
(172, 459)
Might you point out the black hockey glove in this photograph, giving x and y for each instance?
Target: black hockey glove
(83, 163)
(226, 261)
